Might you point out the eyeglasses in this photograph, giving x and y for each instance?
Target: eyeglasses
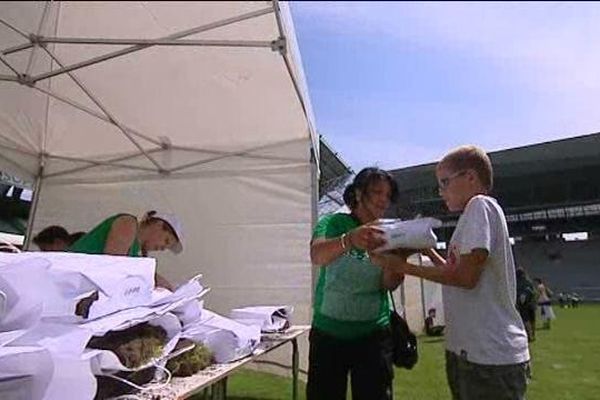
(444, 182)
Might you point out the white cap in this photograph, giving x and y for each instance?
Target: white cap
(175, 224)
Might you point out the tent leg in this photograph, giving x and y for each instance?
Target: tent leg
(314, 183)
(33, 210)
(423, 305)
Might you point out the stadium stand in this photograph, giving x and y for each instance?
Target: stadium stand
(568, 267)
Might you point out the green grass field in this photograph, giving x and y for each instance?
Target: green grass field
(566, 366)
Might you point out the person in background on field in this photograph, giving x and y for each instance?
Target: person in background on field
(563, 301)
(431, 329)
(545, 303)
(574, 300)
(526, 302)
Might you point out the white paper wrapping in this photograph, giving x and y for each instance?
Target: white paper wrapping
(413, 234)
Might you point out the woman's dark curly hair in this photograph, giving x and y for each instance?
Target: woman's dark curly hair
(365, 178)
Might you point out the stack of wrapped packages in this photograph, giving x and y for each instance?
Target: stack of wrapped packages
(78, 326)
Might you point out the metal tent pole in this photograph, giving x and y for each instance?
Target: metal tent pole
(39, 32)
(4, 61)
(107, 113)
(34, 205)
(422, 291)
(8, 78)
(94, 113)
(135, 48)
(17, 48)
(14, 28)
(156, 42)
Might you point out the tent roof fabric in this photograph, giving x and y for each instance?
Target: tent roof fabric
(196, 108)
(147, 88)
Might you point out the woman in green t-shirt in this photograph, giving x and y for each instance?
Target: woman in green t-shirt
(350, 330)
(124, 235)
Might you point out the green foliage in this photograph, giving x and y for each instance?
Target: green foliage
(191, 361)
(134, 346)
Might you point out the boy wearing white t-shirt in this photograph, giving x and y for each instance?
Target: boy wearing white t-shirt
(487, 353)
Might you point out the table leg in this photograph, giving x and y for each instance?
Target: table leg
(219, 390)
(295, 368)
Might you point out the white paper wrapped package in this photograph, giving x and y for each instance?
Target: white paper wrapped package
(21, 295)
(269, 318)
(413, 234)
(25, 372)
(29, 293)
(71, 373)
(93, 266)
(189, 312)
(6, 338)
(127, 318)
(65, 339)
(228, 340)
(105, 360)
(133, 291)
(121, 282)
(65, 343)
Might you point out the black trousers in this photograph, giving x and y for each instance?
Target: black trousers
(367, 360)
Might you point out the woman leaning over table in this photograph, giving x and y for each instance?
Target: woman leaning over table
(350, 332)
(124, 235)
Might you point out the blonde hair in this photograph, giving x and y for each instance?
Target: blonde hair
(470, 157)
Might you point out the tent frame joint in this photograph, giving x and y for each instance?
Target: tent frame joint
(279, 45)
(165, 143)
(37, 40)
(26, 80)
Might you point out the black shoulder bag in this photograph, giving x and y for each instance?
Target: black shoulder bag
(405, 342)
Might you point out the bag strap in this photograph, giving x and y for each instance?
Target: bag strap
(393, 302)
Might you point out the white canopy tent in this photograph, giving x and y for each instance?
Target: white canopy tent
(197, 108)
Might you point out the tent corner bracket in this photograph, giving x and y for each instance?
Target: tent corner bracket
(37, 40)
(26, 80)
(279, 45)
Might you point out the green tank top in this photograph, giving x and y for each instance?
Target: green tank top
(94, 241)
(350, 302)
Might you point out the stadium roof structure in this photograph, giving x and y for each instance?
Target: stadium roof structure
(332, 166)
(547, 188)
(332, 181)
